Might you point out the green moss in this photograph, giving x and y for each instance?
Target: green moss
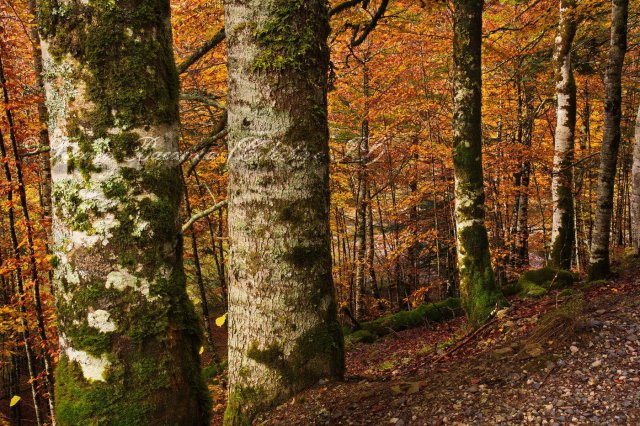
(529, 289)
(115, 402)
(140, 86)
(115, 188)
(566, 292)
(477, 282)
(89, 339)
(240, 406)
(317, 353)
(546, 278)
(361, 336)
(290, 37)
(424, 314)
(124, 145)
(599, 270)
(511, 289)
(149, 366)
(130, 395)
(211, 371)
(563, 246)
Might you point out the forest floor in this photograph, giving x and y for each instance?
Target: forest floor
(555, 360)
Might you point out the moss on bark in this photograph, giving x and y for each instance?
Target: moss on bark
(477, 284)
(129, 334)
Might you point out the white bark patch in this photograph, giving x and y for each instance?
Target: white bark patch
(464, 224)
(101, 320)
(123, 279)
(93, 368)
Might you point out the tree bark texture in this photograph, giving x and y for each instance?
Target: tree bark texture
(477, 282)
(562, 228)
(599, 263)
(283, 329)
(129, 336)
(635, 189)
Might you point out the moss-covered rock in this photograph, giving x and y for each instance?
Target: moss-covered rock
(361, 336)
(537, 282)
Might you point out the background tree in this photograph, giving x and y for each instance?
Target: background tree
(635, 194)
(562, 231)
(599, 264)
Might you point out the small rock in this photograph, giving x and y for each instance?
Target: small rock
(596, 363)
(574, 349)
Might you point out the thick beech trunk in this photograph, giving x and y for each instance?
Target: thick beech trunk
(477, 283)
(562, 230)
(635, 190)
(283, 329)
(599, 263)
(129, 336)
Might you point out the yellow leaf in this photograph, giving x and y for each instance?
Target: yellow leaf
(201, 350)
(221, 320)
(14, 400)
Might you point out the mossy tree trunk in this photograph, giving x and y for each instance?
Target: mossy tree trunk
(599, 265)
(477, 283)
(635, 190)
(283, 331)
(129, 337)
(562, 228)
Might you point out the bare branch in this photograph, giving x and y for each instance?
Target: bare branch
(374, 21)
(344, 6)
(201, 51)
(196, 217)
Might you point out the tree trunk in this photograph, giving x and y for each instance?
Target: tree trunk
(204, 303)
(562, 230)
(477, 283)
(362, 201)
(129, 336)
(635, 188)
(371, 248)
(599, 263)
(283, 328)
(43, 134)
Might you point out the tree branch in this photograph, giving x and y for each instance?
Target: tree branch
(205, 149)
(374, 21)
(201, 51)
(344, 6)
(218, 132)
(193, 219)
